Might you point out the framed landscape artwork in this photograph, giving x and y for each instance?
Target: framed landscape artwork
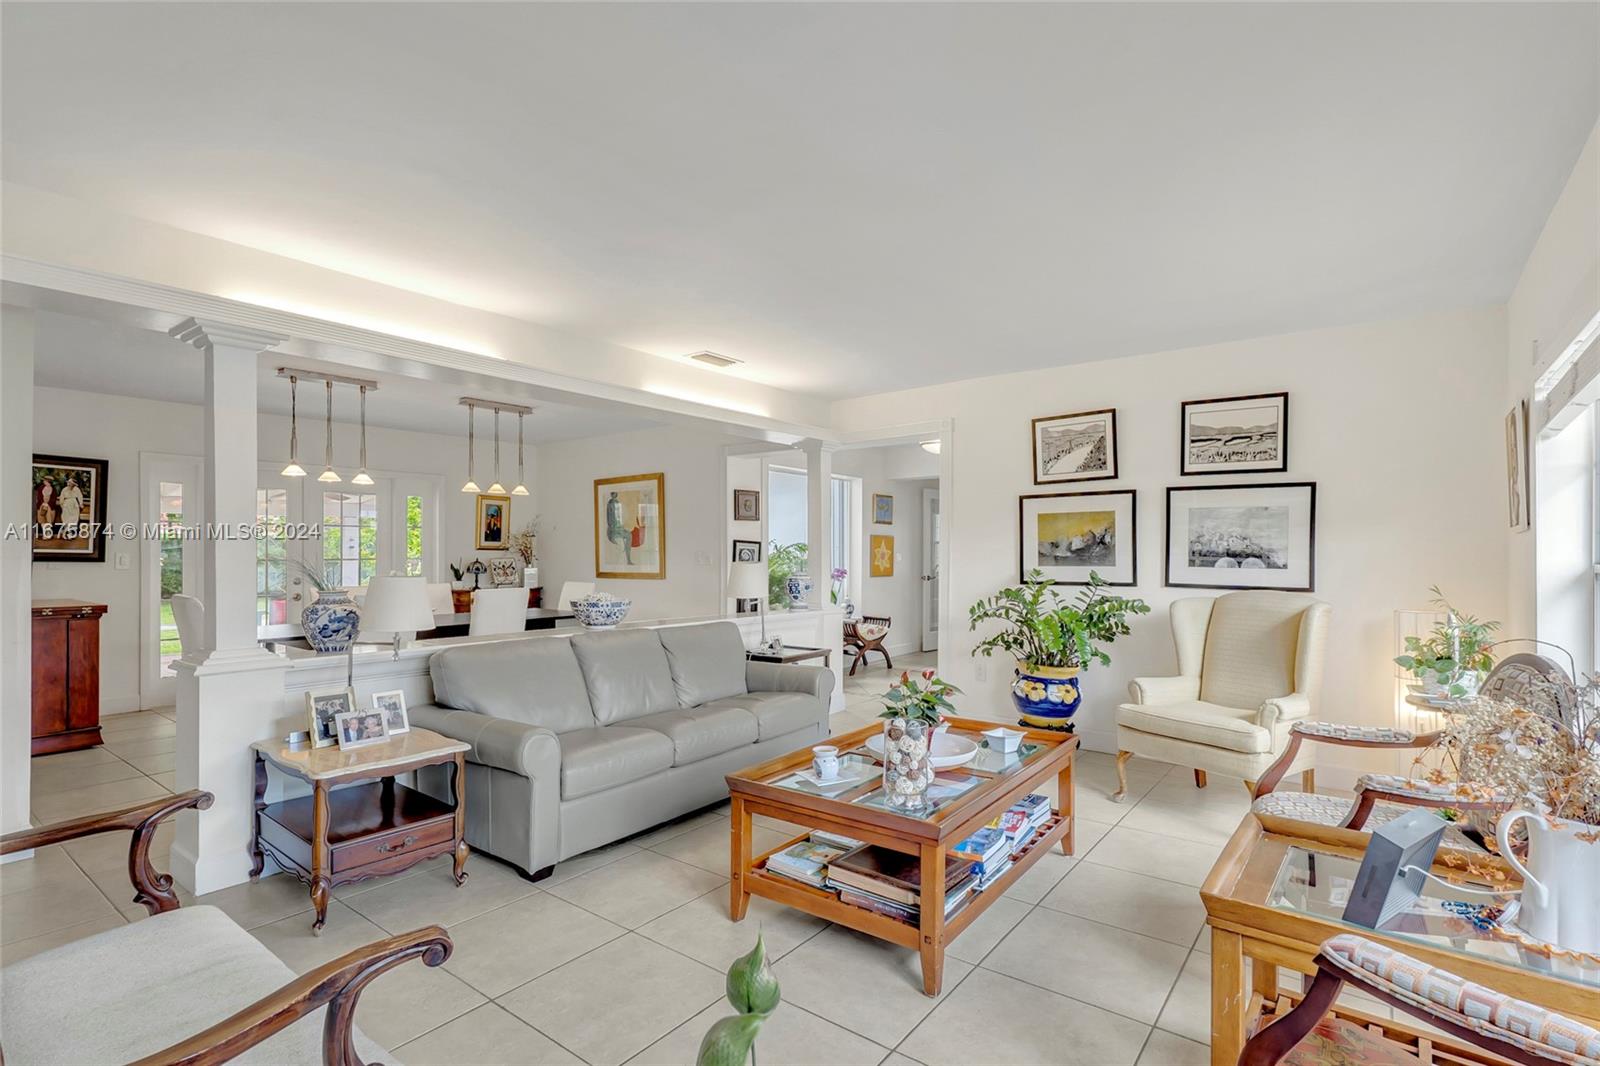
(1235, 435)
(747, 551)
(881, 563)
(882, 509)
(746, 505)
(494, 522)
(1518, 503)
(1243, 537)
(1069, 534)
(630, 527)
(1076, 447)
(69, 509)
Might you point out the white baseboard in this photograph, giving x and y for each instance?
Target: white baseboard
(119, 705)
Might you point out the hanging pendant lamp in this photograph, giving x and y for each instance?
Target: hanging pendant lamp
(495, 488)
(521, 489)
(471, 485)
(329, 475)
(294, 469)
(362, 477)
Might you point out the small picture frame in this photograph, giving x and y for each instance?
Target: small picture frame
(746, 505)
(392, 705)
(323, 708)
(494, 522)
(361, 729)
(882, 509)
(1081, 446)
(505, 573)
(747, 551)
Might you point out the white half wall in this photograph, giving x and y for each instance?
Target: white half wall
(1398, 423)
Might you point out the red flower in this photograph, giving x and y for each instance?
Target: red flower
(927, 675)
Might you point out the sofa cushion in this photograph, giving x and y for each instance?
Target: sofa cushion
(776, 713)
(1250, 648)
(593, 760)
(627, 674)
(700, 732)
(535, 681)
(707, 661)
(131, 991)
(1199, 723)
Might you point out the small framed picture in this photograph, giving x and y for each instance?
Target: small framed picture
(505, 573)
(747, 551)
(1235, 435)
(1075, 447)
(882, 509)
(392, 705)
(323, 708)
(494, 522)
(746, 505)
(358, 729)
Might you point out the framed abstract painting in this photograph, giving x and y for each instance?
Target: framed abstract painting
(1243, 537)
(1068, 535)
(630, 527)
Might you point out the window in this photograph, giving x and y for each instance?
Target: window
(272, 578)
(349, 537)
(839, 536)
(170, 507)
(786, 506)
(413, 554)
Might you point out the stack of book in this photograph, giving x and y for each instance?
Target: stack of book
(991, 851)
(890, 882)
(1024, 819)
(806, 861)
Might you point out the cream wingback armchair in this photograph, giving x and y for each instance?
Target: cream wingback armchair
(1249, 665)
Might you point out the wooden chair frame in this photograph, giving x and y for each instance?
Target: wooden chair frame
(861, 645)
(336, 985)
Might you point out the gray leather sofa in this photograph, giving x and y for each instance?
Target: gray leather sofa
(580, 741)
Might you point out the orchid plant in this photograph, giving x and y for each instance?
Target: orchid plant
(838, 576)
(924, 698)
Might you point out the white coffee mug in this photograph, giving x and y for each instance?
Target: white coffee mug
(825, 762)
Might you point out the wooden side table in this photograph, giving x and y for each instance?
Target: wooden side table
(791, 654)
(336, 836)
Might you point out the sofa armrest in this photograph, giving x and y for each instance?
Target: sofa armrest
(1148, 690)
(1294, 706)
(778, 677)
(529, 750)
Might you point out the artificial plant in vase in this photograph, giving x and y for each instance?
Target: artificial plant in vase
(753, 991)
(1052, 641)
(913, 709)
(1454, 659)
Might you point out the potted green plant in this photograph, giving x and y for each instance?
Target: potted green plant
(1454, 659)
(787, 581)
(1052, 641)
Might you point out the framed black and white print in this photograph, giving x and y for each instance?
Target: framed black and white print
(1235, 435)
(1243, 537)
(1068, 535)
(747, 551)
(1075, 447)
(746, 505)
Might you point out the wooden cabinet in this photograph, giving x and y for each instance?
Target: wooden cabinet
(66, 675)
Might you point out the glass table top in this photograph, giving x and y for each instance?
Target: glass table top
(1443, 917)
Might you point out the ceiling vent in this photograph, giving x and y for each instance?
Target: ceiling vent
(721, 362)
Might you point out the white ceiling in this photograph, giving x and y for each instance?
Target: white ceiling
(73, 352)
(849, 197)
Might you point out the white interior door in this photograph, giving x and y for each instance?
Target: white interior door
(170, 562)
(931, 535)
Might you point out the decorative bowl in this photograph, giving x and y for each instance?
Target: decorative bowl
(1004, 740)
(600, 611)
(947, 751)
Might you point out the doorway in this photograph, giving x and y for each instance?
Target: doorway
(171, 506)
(932, 536)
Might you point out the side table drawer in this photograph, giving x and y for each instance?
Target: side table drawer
(391, 845)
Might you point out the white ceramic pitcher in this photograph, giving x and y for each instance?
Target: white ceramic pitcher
(1561, 892)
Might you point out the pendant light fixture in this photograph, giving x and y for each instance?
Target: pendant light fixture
(471, 485)
(294, 469)
(329, 475)
(362, 477)
(520, 489)
(495, 488)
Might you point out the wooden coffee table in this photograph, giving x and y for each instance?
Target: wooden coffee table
(989, 785)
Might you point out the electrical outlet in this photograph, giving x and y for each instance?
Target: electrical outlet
(980, 670)
(122, 561)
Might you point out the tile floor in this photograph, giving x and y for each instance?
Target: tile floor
(618, 956)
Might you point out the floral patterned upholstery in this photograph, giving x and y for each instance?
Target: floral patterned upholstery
(870, 632)
(1454, 999)
(1368, 733)
(1337, 1042)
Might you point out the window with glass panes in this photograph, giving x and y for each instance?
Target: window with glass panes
(349, 537)
(171, 539)
(272, 579)
(413, 567)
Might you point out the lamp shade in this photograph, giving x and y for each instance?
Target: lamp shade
(747, 581)
(396, 604)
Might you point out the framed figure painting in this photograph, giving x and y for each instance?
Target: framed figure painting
(1243, 537)
(1518, 503)
(494, 522)
(1075, 447)
(1235, 435)
(69, 509)
(1068, 535)
(630, 527)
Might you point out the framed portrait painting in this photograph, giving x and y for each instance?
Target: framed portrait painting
(882, 509)
(494, 522)
(1243, 537)
(1518, 503)
(881, 556)
(69, 509)
(1075, 447)
(1069, 535)
(747, 551)
(746, 505)
(1235, 435)
(630, 527)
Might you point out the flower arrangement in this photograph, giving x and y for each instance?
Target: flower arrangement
(525, 541)
(1040, 630)
(838, 576)
(919, 699)
(1455, 656)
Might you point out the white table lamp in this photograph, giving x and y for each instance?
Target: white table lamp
(397, 605)
(748, 581)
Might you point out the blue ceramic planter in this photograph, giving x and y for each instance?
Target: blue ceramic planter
(1046, 696)
(330, 622)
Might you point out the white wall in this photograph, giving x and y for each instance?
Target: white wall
(1398, 423)
(16, 623)
(694, 464)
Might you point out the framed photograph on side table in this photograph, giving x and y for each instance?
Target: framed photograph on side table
(1075, 447)
(1235, 435)
(358, 729)
(323, 708)
(392, 705)
(1243, 537)
(1069, 534)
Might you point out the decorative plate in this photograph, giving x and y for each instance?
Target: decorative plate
(948, 751)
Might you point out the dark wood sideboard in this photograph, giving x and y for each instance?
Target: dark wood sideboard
(66, 675)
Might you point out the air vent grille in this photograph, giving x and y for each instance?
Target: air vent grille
(713, 359)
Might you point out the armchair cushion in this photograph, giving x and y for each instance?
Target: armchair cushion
(134, 990)
(1322, 809)
(1251, 645)
(1146, 690)
(1200, 723)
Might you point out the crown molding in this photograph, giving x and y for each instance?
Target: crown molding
(210, 333)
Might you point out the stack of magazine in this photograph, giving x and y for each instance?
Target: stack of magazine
(994, 847)
(890, 882)
(807, 860)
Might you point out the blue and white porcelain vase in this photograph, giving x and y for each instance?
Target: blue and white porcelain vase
(799, 588)
(331, 621)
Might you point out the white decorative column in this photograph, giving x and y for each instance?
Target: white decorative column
(16, 565)
(230, 691)
(819, 515)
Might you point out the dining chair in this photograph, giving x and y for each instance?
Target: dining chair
(190, 616)
(498, 611)
(439, 597)
(573, 590)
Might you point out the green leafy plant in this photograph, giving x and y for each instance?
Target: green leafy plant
(1457, 648)
(753, 991)
(1041, 630)
(912, 699)
(783, 562)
